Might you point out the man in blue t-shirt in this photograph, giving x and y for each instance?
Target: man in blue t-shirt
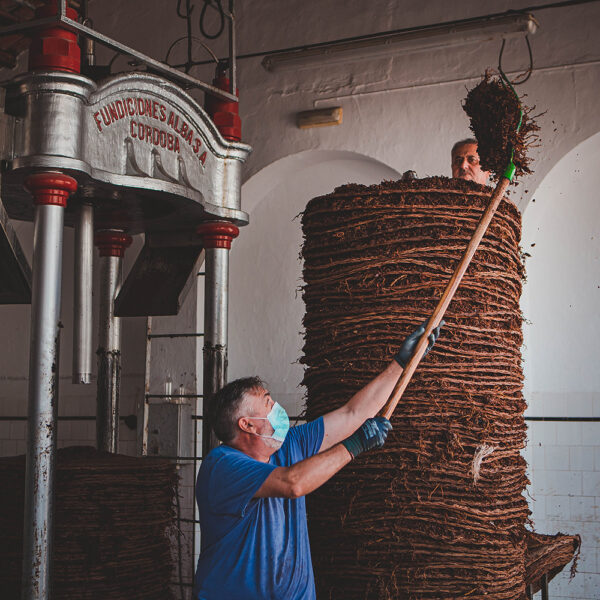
(250, 490)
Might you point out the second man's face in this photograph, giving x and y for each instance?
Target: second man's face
(465, 164)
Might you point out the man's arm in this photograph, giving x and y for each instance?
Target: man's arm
(368, 401)
(305, 476)
(308, 474)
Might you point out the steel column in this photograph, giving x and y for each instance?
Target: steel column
(50, 191)
(111, 245)
(216, 238)
(82, 305)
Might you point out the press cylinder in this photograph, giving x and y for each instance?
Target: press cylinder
(111, 248)
(216, 238)
(50, 192)
(82, 304)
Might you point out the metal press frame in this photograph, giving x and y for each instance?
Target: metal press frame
(169, 72)
(51, 190)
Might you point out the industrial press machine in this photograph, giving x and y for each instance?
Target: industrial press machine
(111, 157)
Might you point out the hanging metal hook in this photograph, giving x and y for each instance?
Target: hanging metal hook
(520, 78)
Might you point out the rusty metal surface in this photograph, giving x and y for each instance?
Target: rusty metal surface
(109, 355)
(43, 401)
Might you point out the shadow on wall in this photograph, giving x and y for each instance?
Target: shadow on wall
(561, 233)
(266, 308)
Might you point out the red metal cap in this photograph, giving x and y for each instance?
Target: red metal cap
(217, 234)
(225, 114)
(51, 188)
(54, 48)
(112, 243)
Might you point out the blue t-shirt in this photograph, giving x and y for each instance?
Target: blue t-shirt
(254, 548)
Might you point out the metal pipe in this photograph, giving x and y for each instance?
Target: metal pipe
(216, 239)
(216, 288)
(143, 412)
(232, 50)
(50, 191)
(111, 245)
(109, 356)
(89, 45)
(82, 305)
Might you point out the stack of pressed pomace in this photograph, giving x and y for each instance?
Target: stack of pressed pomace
(439, 512)
(419, 518)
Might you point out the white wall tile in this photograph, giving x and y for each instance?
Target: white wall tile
(8, 447)
(546, 432)
(568, 483)
(18, 430)
(590, 434)
(569, 433)
(541, 525)
(538, 456)
(587, 562)
(597, 458)
(591, 585)
(526, 453)
(563, 585)
(582, 508)
(591, 483)
(591, 532)
(581, 458)
(537, 506)
(557, 508)
(557, 458)
(4, 430)
(64, 430)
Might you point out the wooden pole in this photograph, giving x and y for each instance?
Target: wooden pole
(446, 298)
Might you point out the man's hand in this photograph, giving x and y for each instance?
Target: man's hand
(371, 434)
(410, 343)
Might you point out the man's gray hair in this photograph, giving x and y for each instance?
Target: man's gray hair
(462, 143)
(223, 409)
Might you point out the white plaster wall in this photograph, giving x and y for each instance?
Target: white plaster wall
(561, 232)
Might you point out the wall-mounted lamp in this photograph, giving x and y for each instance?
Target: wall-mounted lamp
(404, 41)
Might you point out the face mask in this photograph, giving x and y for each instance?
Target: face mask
(279, 421)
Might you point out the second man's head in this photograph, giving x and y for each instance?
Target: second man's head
(465, 162)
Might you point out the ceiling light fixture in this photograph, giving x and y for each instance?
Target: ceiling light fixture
(405, 41)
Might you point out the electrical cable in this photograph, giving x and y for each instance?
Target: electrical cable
(187, 16)
(196, 39)
(201, 24)
(519, 79)
(113, 59)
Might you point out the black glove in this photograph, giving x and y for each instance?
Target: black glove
(410, 343)
(371, 434)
